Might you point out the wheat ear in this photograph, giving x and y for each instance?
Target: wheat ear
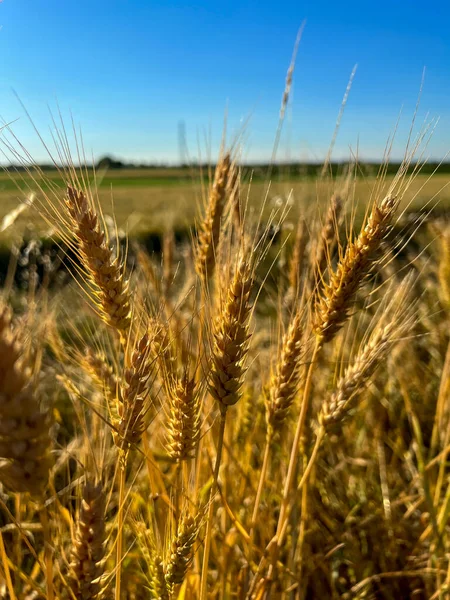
(283, 388)
(296, 259)
(97, 366)
(25, 444)
(183, 428)
(105, 271)
(336, 298)
(209, 229)
(230, 346)
(181, 551)
(231, 337)
(327, 240)
(285, 380)
(154, 561)
(132, 396)
(89, 544)
(338, 405)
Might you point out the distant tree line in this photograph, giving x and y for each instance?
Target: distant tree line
(294, 169)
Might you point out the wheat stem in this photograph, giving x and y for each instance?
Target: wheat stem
(120, 524)
(262, 479)
(48, 554)
(9, 583)
(207, 542)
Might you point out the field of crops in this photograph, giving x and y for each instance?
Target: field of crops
(258, 411)
(154, 200)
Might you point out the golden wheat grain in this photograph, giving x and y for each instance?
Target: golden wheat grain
(89, 544)
(105, 271)
(231, 338)
(180, 553)
(336, 297)
(285, 381)
(296, 258)
(183, 427)
(129, 424)
(209, 229)
(25, 443)
(327, 240)
(97, 366)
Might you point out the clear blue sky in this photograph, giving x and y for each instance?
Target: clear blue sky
(129, 71)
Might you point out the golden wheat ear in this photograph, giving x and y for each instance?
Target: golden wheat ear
(153, 561)
(96, 365)
(132, 395)
(285, 381)
(25, 444)
(180, 553)
(88, 552)
(209, 229)
(105, 271)
(397, 321)
(231, 337)
(327, 241)
(336, 298)
(184, 422)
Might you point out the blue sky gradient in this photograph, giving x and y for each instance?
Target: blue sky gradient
(129, 71)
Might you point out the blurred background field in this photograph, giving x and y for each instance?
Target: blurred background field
(150, 201)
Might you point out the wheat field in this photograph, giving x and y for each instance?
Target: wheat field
(259, 411)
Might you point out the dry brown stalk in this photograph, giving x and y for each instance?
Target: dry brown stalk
(132, 395)
(285, 381)
(181, 550)
(336, 298)
(105, 271)
(231, 337)
(25, 444)
(89, 544)
(183, 427)
(209, 229)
